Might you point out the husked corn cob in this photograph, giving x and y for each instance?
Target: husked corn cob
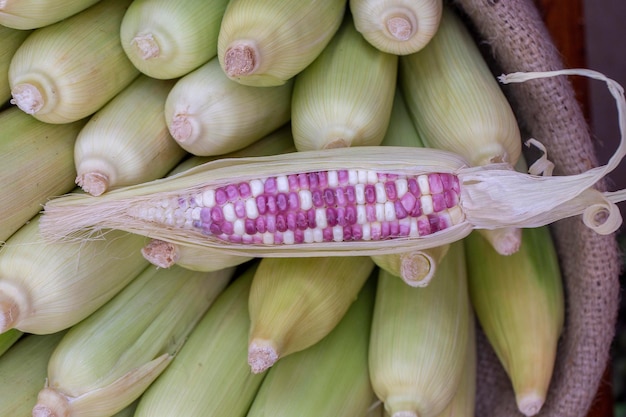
(127, 141)
(345, 97)
(108, 360)
(8, 338)
(208, 114)
(210, 376)
(23, 370)
(519, 302)
(399, 27)
(294, 303)
(27, 181)
(166, 40)
(416, 365)
(11, 40)
(45, 288)
(265, 43)
(68, 70)
(329, 378)
(33, 14)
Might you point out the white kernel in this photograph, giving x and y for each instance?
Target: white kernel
(188, 224)
(256, 187)
(456, 215)
(180, 216)
(390, 211)
(268, 238)
(195, 213)
(333, 179)
(338, 233)
(288, 237)
(229, 212)
(252, 211)
(168, 217)
(196, 200)
(208, 198)
(239, 228)
(422, 182)
(165, 203)
(381, 195)
(413, 230)
(353, 177)
(320, 218)
(282, 184)
(372, 177)
(308, 236)
(318, 235)
(380, 212)
(359, 193)
(361, 214)
(427, 204)
(362, 175)
(366, 231)
(401, 187)
(306, 199)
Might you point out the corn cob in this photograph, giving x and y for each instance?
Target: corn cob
(11, 40)
(108, 360)
(399, 27)
(45, 288)
(127, 141)
(208, 114)
(23, 370)
(345, 97)
(519, 302)
(330, 378)
(8, 338)
(68, 70)
(265, 43)
(33, 14)
(167, 40)
(210, 376)
(294, 303)
(25, 190)
(416, 365)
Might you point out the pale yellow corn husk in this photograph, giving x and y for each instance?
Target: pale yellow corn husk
(398, 27)
(454, 100)
(127, 141)
(344, 98)
(108, 360)
(33, 14)
(46, 287)
(11, 40)
(330, 378)
(208, 114)
(416, 364)
(166, 39)
(8, 338)
(27, 185)
(265, 43)
(68, 70)
(23, 371)
(210, 376)
(520, 304)
(294, 303)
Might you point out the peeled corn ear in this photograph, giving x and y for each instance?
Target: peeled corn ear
(68, 70)
(344, 98)
(265, 43)
(11, 40)
(294, 303)
(33, 14)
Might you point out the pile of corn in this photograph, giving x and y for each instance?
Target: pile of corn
(112, 93)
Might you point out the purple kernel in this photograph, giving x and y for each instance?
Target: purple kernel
(350, 215)
(423, 226)
(250, 226)
(240, 209)
(244, 190)
(385, 230)
(205, 214)
(281, 222)
(291, 220)
(435, 184)
(317, 199)
(350, 194)
(235, 238)
(329, 197)
(370, 193)
(451, 198)
(271, 204)
(343, 177)
(390, 190)
(303, 181)
(327, 234)
(370, 213)
(340, 197)
(232, 192)
(405, 229)
(408, 202)
(301, 220)
(433, 219)
(298, 236)
(217, 216)
(227, 228)
(439, 202)
(400, 210)
(322, 179)
(293, 182)
(278, 238)
(293, 201)
(357, 232)
(394, 228)
(220, 196)
(215, 229)
(347, 233)
(446, 180)
(375, 231)
(413, 187)
(313, 181)
(270, 222)
(270, 185)
(310, 216)
(416, 211)
(341, 216)
(261, 204)
(261, 224)
(281, 202)
(331, 217)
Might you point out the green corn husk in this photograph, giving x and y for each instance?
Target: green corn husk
(11, 40)
(23, 371)
(345, 97)
(127, 141)
(36, 162)
(519, 302)
(33, 14)
(68, 70)
(416, 364)
(45, 288)
(329, 378)
(208, 114)
(128, 411)
(108, 360)
(8, 339)
(294, 303)
(266, 43)
(210, 376)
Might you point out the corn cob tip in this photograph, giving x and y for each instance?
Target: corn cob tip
(506, 241)
(530, 403)
(241, 58)
(416, 269)
(261, 355)
(27, 97)
(160, 253)
(9, 311)
(51, 403)
(401, 25)
(183, 128)
(13, 303)
(146, 45)
(94, 183)
(404, 414)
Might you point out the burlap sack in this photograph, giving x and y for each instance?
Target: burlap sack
(547, 110)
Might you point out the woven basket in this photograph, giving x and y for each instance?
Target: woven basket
(517, 40)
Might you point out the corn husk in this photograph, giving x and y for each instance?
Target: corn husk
(108, 360)
(266, 43)
(208, 114)
(294, 303)
(33, 14)
(416, 365)
(167, 40)
(344, 98)
(127, 141)
(210, 376)
(11, 40)
(70, 69)
(8, 339)
(330, 378)
(23, 191)
(398, 27)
